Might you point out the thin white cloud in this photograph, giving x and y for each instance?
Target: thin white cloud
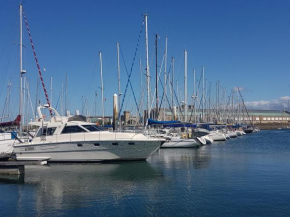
(283, 103)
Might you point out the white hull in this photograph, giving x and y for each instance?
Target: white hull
(217, 137)
(181, 143)
(232, 134)
(6, 143)
(87, 151)
(208, 139)
(240, 133)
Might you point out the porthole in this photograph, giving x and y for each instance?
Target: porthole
(131, 143)
(96, 144)
(79, 145)
(114, 143)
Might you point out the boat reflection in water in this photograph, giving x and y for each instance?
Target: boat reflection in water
(178, 158)
(57, 187)
(104, 189)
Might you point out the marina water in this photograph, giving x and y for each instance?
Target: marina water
(247, 176)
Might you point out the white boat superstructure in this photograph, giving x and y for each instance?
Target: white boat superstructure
(64, 140)
(7, 141)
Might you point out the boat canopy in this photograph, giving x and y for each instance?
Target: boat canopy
(170, 123)
(211, 126)
(155, 122)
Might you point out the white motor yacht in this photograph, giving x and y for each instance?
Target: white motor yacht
(65, 140)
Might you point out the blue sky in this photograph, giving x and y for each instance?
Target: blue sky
(240, 43)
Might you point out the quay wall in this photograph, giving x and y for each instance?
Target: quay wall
(270, 126)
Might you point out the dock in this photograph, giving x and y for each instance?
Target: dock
(17, 167)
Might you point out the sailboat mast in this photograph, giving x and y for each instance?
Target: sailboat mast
(51, 91)
(20, 92)
(102, 88)
(185, 86)
(156, 65)
(119, 82)
(165, 76)
(172, 88)
(147, 68)
(194, 95)
(65, 105)
(141, 86)
(203, 92)
(209, 103)
(61, 104)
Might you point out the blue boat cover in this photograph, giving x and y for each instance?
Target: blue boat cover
(170, 123)
(155, 122)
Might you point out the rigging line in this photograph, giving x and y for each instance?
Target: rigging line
(245, 106)
(37, 64)
(7, 65)
(92, 78)
(132, 70)
(195, 99)
(152, 96)
(176, 97)
(13, 32)
(57, 101)
(164, 88)
(7, 98)
(138, 109)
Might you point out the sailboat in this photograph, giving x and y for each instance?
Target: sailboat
(8, 139)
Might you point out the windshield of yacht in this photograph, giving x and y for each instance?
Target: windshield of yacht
(45, 131)
(72, 129)
(93, 128)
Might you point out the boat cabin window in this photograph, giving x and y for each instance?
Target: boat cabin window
(46, 131)
(72, 129)
(93, 127)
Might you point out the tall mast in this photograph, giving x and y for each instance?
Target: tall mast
(147, 68)
(51, 91)
(65, 102)
(36, 96)
(203, 93)
(209, 102)
(185, 86)
(156, 85)
(172, 88)
(119, 82)
(141, 86)
(61, 104)
(102, 88)
(20, 92)
(194, 95)
(178, 99)
(165, 76)
(96, 94)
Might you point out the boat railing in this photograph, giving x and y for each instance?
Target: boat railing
(86, 136)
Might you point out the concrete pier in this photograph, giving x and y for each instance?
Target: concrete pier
(17, 167)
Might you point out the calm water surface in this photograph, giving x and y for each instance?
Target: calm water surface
(247, 176)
